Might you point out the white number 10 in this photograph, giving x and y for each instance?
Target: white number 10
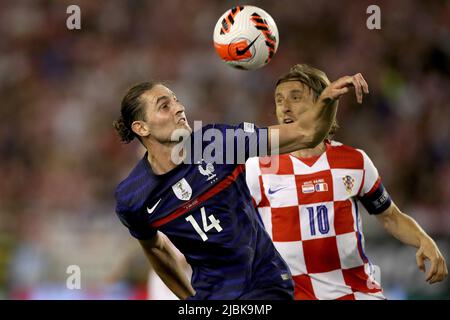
(206, 227)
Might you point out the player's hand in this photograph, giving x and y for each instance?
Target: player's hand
(342, 85)
(438, 268)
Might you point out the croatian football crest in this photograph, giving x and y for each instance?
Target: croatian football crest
(349, 183)
(182, 190)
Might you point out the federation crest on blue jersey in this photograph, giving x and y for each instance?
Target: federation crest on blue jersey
(207, 171)
(182, 190)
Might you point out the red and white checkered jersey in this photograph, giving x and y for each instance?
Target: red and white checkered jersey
(311, 208)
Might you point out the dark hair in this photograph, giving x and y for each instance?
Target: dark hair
(315, 79)
(131, 110)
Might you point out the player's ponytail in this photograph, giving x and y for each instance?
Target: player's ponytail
(125, 133)
(131, 110)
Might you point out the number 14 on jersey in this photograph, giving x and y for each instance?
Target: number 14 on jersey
(206, 226)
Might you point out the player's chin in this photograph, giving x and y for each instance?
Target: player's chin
(182, 131)
(184, 125)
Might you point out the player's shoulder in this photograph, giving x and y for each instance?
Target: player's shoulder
(132, 191)
(344, 156)
(252, 162)
(277, 164)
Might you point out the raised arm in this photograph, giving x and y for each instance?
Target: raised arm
(314, 125)
(408, 231)
(167, 265)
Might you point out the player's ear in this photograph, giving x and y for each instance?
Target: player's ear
(140, 128)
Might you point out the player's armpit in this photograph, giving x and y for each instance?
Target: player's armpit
(166, 264)
(154, 243)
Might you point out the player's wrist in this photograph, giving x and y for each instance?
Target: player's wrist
(425, 241)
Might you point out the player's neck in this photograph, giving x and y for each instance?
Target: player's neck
(160, 157)
(311, 152)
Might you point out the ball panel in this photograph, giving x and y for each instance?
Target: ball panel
(246, 37)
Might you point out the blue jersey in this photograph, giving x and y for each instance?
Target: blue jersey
(206, 210)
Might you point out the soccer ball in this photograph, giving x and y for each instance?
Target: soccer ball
(246, 37)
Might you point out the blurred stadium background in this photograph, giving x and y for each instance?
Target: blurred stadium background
(61, 159)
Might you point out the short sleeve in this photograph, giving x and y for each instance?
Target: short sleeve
(371, 176)
(252, 174)
(138, 227)
(373, 195)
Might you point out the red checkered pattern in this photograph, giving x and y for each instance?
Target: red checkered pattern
(311, 211)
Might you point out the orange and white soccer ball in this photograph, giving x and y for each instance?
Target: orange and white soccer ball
(246, 37)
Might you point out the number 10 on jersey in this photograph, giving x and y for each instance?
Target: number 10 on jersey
(323, 223)
(206, 226)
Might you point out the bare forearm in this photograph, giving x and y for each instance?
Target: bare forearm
(408, 231)
(320, 118)
(306, 132)
(318, 121)
(404, 228)
(312, 127)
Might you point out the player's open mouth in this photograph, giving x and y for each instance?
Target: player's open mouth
(182, 120)
(288, 121)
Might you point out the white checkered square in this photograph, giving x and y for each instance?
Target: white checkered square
(371, 173)
(292, 253)
(329, 285)
(346, 183)
(281, 190)
(317, 220)
(266, 217)
(348, 250)
(301, 168)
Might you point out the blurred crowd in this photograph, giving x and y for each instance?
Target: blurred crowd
(60, 90)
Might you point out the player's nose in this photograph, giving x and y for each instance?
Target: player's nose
(179, 107)
(286, 107)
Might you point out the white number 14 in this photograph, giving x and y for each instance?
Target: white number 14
(206, 227)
